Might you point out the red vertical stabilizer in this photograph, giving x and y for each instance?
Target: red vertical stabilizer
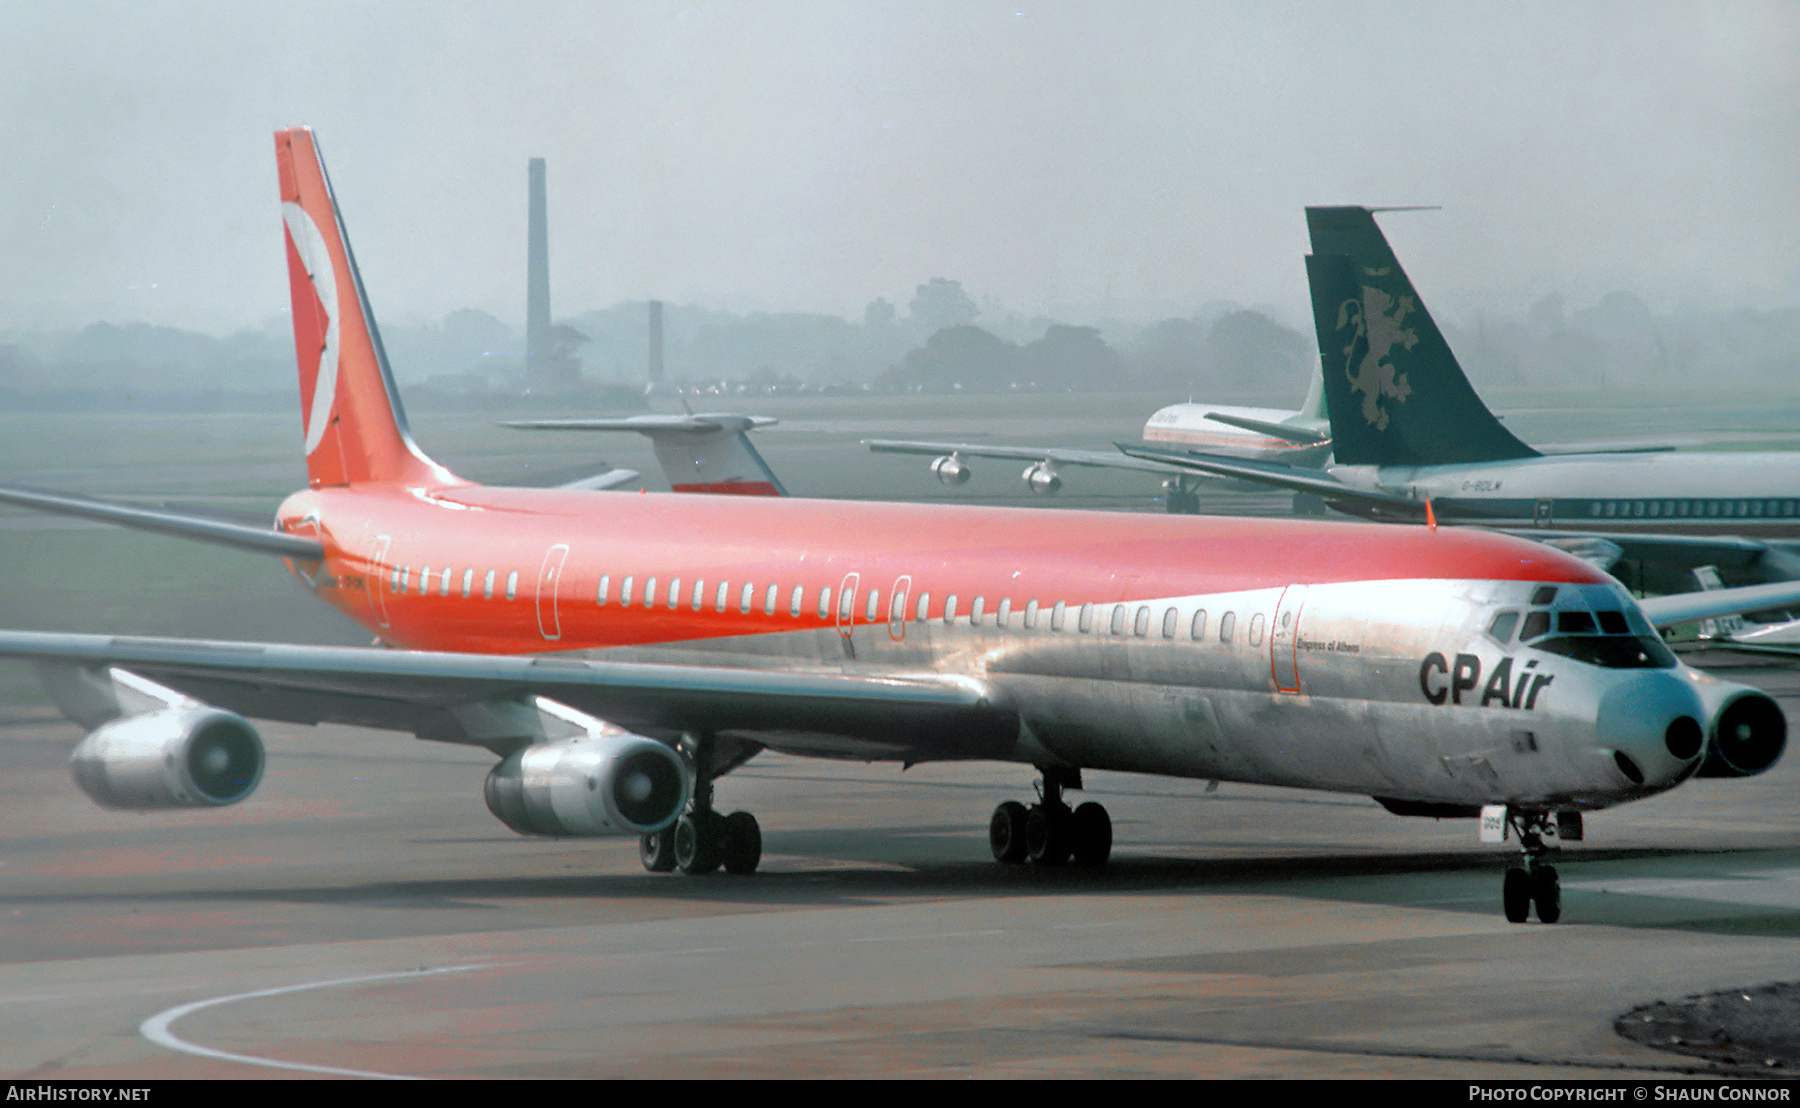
(355, 430)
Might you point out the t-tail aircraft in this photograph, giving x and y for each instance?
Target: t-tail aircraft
(1407, 427)
(617, 654)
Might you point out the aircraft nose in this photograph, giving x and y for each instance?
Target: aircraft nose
(1651, 726)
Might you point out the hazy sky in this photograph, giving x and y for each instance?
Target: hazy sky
(1128, 158)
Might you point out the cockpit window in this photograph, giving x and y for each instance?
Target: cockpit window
(1536, 623)
(1610, 637)
(1575, 622)
(1610, 651)
(1501, 629)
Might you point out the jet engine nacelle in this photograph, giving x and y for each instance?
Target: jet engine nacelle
(1042, 478)
(1747, 732)
(607, 784)
(951, 470)
(188, 757)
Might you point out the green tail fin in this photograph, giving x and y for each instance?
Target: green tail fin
(1396, 395)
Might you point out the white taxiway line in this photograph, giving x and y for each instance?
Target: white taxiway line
(156, 1028)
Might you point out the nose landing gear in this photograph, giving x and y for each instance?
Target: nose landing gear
(1533, 884)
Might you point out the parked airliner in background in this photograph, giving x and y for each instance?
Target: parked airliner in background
(1299, 440)
(1407, 427)
(618, 653)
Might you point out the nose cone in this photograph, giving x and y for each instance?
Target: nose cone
(1650, 725)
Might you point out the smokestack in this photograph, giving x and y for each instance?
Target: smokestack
(538, 370)
(656, 342)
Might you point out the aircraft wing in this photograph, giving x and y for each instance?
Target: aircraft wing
(1664, 611)
(442, 696)
(262, 540)
(1100, 459)
(1287, 477)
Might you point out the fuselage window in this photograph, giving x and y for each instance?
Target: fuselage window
(487, 586)
(1226, 623)
(650, 592)
(825, 603)
(1171, 619)
(976, 609)
(1059, 615)
(699, 600)
(444, 589)
(394, 585)
(1256, 626)
(722, 597)
(950, 608)
(746, 597)
(924, 610)
(1031, 609)
(1004, 613)
(796, 600)
(873, 607)
(1086, 620)
(1199, 630)
(769, 596)
(625, 591)
(674, 593)
(1118, 619)
(1141, 625)
(425, 581)
(512, 584)
(468, 582)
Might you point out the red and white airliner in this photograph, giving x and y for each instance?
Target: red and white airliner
(620, 652)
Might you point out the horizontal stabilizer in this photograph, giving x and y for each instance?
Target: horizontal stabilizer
(262, 540)
(1305, 436)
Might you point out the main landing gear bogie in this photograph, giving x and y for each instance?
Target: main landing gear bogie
(1050, 833)
(701, 840)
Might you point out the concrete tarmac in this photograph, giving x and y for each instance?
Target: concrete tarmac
(364, 915)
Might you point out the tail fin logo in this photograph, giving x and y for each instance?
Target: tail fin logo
(1376, 324)
(309, 248)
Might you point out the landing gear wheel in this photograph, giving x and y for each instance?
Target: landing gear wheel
(1006, 833)
(1047, 835)
(1546, 894)
(1090, 832)
(699, 842)
(743, 843)
(657, 850)
(1515, 894)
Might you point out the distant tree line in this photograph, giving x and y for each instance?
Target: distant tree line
(941, 342)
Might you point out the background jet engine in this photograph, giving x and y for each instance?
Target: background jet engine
(1747, 732)
(608, 784)
(1042, 478)
(951, 470)
(189, 757)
